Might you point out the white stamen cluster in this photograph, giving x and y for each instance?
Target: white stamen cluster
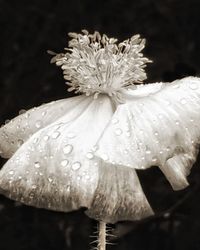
(95, 64)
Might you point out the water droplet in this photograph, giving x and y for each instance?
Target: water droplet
(64, 163)
(44, 113)
(115, 121)
(46, 137)
(37, 164)
(193, 85)
(11, 172)
(118, 131)
(183, 101)
(76, 165)
(156, 133)
(167, 149)
(22, 111)
(104, 157)
(34, 186)
(71, 135)
(55, 134)
(35, 140)
(177, 122)
(154, 159)
(175, 86)
(87, 177)
(67, 149)
(167, 102)
(40, 173)
(125, 151)
(19, 177)
(161, 152)
(148, 152)
(50, 179)
(68, 189)
(20, 142)
(90, 155)
(38, 124)
(160, 116)
(128, 134)
(94, 148)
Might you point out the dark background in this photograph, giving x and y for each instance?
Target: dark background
(27, 79)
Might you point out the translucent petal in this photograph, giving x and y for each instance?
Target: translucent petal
(160, 128)
(18, 130)
(57, 169)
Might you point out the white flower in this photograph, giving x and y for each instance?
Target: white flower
(84, 151)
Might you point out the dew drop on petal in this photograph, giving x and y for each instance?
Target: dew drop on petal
(35, 140)
(55, 134)
(115, 121)
(175, 86)
(64, 163)
(94, 148)
(46, 137)
(11, 172)
(22, 111)
(50, 179)
(154, 159)
(37, 164)
(177, 122)
(76, 165)
(193, 85)
(44, 113)
(67, 149)
(148, 152)
(183, 101)
(38, 124)
(104, 157)
(118, 131)
(20, 142)
(156, 133)
(71, 135)
(90, 155)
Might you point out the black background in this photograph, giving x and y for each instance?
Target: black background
(27, 79)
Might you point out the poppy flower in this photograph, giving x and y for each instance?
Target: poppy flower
(84, 151)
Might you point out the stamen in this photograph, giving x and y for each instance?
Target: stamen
(95, 64)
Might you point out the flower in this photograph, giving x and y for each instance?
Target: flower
(84, 151)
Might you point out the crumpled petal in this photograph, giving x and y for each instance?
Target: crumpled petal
(18, 130)
(157, 128)
(56, 169)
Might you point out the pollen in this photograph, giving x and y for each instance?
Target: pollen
(95, 64)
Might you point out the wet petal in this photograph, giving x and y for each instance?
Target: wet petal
(18, 130)
(55, 168)
(160, 128)
(118, 196)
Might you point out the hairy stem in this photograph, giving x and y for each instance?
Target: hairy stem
(102, 236)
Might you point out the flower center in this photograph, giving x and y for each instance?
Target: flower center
(95, 64)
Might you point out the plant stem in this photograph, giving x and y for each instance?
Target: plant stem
(102, 236)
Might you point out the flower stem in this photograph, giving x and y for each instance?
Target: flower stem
(102, 236)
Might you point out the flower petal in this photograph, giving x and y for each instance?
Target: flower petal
(160, 128)
(118, 196)
(18, 130)
(55, 169)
